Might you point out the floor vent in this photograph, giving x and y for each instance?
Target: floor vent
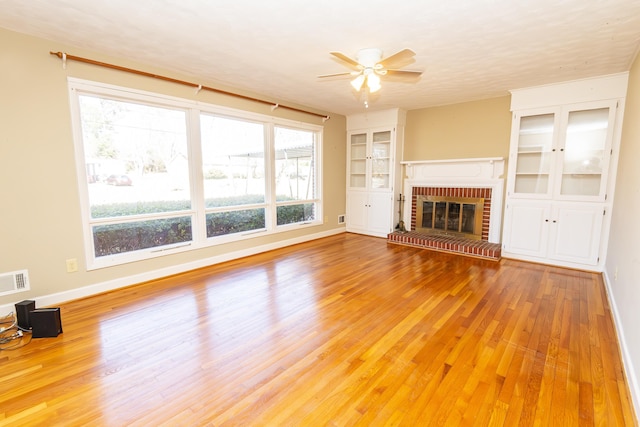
(340, 219)
(13, 282)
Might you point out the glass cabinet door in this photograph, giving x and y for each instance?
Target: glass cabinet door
(534, 154)
(381, 159)
(585, 152)
(358, 165)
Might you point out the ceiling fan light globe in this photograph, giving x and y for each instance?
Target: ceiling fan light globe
(358, 82)
(373, 83)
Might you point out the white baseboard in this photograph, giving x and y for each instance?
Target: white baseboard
(97, 288)
(627, 360)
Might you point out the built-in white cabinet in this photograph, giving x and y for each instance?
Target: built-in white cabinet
(370, 163)
(561, 176)
(563, 152)
(566, 232)
(369, 213)
(374, 141)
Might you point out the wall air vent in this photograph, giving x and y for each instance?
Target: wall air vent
(13, 282)
(340, 219)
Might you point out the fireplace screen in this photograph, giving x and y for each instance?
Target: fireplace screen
(450, 215)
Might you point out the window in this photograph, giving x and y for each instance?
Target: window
(160, 174)
(233, 168)
(295, 175)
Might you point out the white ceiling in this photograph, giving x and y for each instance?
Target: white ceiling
(468, 49)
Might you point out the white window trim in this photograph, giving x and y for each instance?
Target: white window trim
(192, 110)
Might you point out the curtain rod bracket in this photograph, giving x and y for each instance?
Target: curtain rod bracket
(273, 107)
(64, 61)
(325, 118)
(198, 89)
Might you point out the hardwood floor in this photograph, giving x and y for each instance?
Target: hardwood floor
(342, 331)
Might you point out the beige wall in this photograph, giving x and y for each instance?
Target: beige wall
(467, 130)
(622, 269)
(40, 224)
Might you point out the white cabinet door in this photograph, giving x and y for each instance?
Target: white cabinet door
(357, 167)
(357, 210)
(369, 213)
(568, 232)
(575, 233)
(531, 161)
(380, 213)
(525, 228)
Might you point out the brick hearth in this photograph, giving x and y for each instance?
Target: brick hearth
(476, 248)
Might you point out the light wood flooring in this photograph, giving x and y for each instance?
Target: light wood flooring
(343, 331)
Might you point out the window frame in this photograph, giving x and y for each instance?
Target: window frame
(193, 110)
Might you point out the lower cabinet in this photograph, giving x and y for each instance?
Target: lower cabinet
(554, 231)
(370, 212)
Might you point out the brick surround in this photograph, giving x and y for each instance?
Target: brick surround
(476, 193)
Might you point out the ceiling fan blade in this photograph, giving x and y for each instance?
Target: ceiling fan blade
(404, 73)
(348, 73)
(346, 59)
(403, 55)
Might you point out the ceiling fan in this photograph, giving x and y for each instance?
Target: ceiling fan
(369, 66)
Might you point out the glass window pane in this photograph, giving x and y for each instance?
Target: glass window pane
(221, 223)
(468, 218)
(358, 166)
(291, 214)
(584, 152)
(113, 239)
(533, 164)
(136, 157)
(453, 219)
(440, 215)
(295, 164)
(427, 214)
(233, 161)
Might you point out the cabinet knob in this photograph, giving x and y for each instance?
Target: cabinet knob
(546, 220)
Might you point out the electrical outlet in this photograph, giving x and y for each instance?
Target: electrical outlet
(72, 265)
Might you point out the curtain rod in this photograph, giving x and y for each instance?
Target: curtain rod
(65, 57)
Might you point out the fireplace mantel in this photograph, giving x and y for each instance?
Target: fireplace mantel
(462, 173)
(455, 169)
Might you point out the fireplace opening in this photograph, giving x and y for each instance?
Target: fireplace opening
(455, 216)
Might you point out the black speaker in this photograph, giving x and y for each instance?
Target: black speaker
(22, 313)
(45, 322)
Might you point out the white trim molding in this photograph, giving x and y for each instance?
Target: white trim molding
(628, 366)
(121, 282)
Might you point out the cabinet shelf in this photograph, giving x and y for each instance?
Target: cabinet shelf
(522, 151)
(577, 174)
(532, 173)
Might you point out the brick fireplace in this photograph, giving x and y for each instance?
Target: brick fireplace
(459, 195)
(463, 181)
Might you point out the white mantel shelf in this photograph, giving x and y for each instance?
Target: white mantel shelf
(455, 169)
(476, 160)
